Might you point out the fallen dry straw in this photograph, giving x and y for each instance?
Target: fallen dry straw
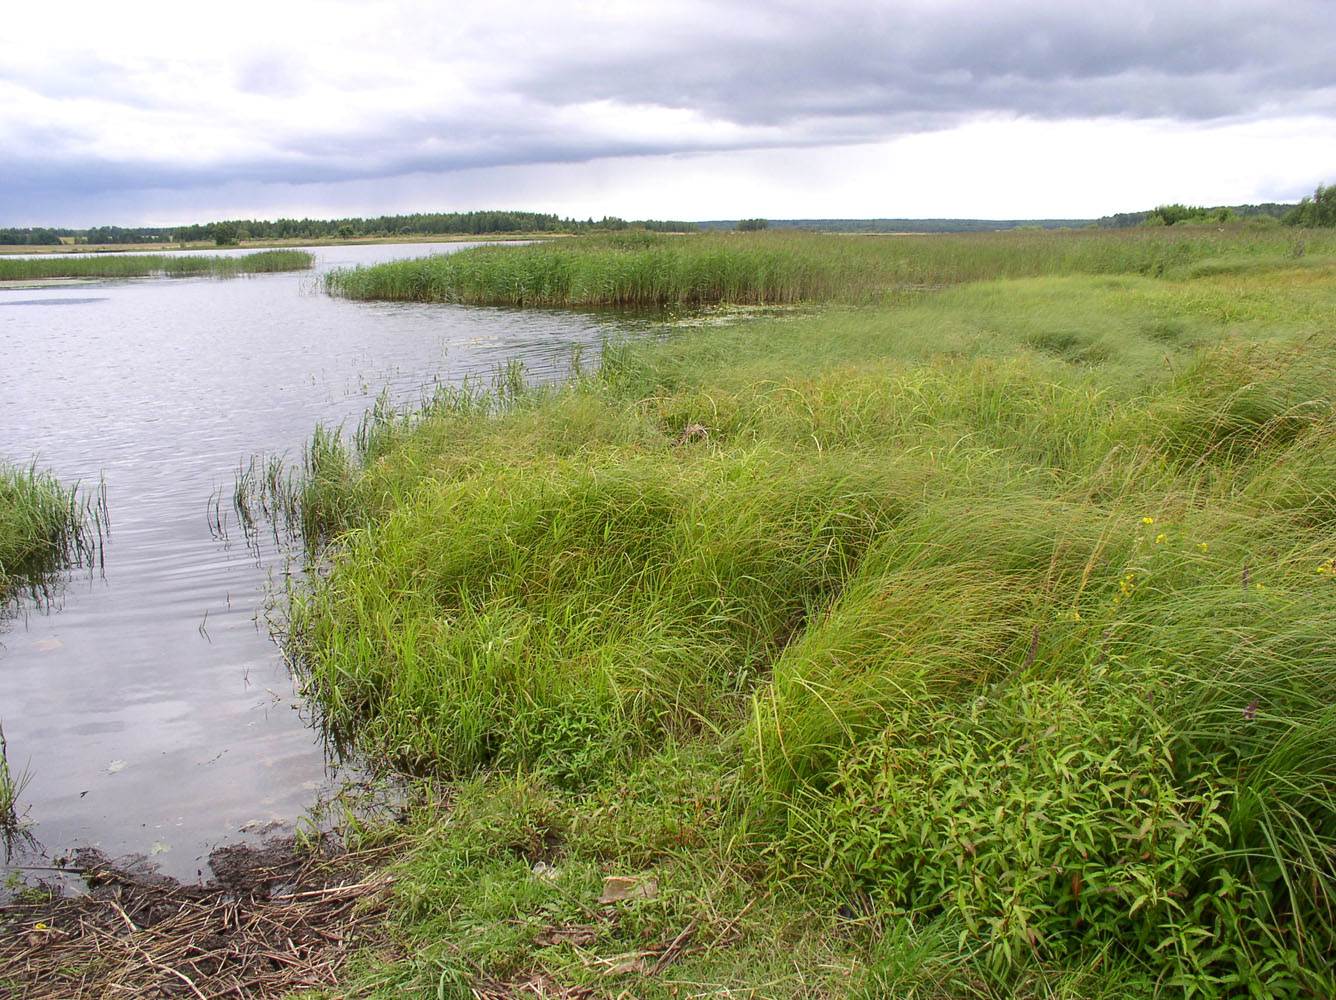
(131, 938)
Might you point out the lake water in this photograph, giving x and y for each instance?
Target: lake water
(150, 705)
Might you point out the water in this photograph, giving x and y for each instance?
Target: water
(150, 705)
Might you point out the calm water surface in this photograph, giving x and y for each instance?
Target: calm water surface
(150, 705)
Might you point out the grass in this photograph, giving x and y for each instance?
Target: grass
(978, 644)
(651, 271)
(146, 265)
(44, 527)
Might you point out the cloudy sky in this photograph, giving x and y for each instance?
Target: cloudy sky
(159, 113)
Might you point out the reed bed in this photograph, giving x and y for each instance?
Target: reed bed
(977, 645)
(653, 271)
(152, 265)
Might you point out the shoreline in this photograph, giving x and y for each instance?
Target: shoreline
(286, 915)
(201, 245)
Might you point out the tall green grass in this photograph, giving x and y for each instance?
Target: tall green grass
(146, 265)
(651, 271)
(44, 526)
(993, 633)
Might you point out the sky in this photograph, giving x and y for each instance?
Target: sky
(165, 113)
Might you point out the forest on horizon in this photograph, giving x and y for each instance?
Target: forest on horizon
(1319, 210)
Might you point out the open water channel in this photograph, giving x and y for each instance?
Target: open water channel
(149, 704)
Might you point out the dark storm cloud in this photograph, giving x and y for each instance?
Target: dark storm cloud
(36, 192)
(411, 147)
(1188, 61)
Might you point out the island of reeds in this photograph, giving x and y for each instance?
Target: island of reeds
(645, 270)
(973, 635)
(152, 265)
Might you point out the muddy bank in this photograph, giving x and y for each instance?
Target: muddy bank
(275, 918)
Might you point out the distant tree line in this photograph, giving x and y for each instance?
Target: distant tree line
(120, 234)
(29, 237)
(229, 231)
(1319, 210)
(418, 224)
(1179, 214)
(1172, 215)
(897, 225)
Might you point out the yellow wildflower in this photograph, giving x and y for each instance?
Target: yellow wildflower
(1148, 520)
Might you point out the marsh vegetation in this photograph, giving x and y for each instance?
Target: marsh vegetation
(45, 526)
(641, 270)
(973, 643)
(149, 265)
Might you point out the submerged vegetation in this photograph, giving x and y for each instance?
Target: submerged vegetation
(145, 265)
(652, 271)
(11, 787)
(980, 643)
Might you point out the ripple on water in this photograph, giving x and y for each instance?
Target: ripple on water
(161, 661)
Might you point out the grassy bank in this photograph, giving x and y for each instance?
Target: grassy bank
(146, 265)
(648, 270)
(979, 645)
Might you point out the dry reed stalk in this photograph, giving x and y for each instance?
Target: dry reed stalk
(186, 941)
